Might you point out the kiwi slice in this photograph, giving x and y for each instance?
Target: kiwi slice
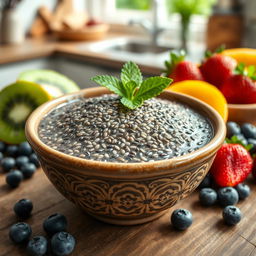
(17, 101)
(53, 82)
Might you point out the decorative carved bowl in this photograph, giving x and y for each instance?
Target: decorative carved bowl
(125, 193)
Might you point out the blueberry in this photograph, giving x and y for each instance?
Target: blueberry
(181, 219)
(2, 146)
(227, 196)
(207, 196)
(33, 159)
(55, 223)
(206, 182)
(253, 143)
(233, 129)
(21, 160)
(25, 149)
(243, 190)
(11, 150)
(231, 215)
(1, 156)
(23, 208)
(7, 163)
(62, 243)
(242, 139)
(37, 246)
(28, 170)
(248, 130)
(20, 232)
(14, 178)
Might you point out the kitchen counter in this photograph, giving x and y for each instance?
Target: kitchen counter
(208, 235)
(46, 47)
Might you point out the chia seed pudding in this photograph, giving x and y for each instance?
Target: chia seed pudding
(101, 129)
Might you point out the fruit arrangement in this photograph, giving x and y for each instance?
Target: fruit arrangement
(18, 161)
(61, 242)
(227, 70)
(19, 99)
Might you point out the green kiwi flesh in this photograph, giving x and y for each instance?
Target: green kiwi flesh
(53, 82)
(17, 101)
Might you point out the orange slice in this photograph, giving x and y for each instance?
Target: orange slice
(244, 55)
(204, 92)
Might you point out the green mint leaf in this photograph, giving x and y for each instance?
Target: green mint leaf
(130, 88)
(235, 140)
(131, 104)
(152, 87)
(131, 72)
(110, 82)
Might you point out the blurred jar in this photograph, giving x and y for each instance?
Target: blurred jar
(12, 27)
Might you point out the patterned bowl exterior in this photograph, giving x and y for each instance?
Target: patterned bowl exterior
(125, 194)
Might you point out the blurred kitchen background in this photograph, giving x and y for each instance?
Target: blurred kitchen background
(81, 38)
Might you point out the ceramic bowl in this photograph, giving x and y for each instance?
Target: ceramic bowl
(126, 193)
(242, 113)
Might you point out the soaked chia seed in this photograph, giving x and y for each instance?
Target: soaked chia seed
(101, 129)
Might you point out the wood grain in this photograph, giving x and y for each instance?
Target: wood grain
(207, 236)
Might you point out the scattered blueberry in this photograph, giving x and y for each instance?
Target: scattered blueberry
(2, 146)
(231, 215)
(1, 156)
(33, 159)
(25, 149)
(207, 196)
(21, 160)
(243, 190)
(23, 208)
(37, 246)
(242, 139)
(227, 196)
(14, 178)
(62, 243)
(253, 143)
(11, 150)
(20, 232)
(55, 223)
(248, 130)
(7, 163)
(181, 219)
(233, 129)
(28, 170)
(206, 182)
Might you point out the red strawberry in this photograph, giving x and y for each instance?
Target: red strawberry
(232, 165)
(217, 68)
(240, 88)
(179, 69)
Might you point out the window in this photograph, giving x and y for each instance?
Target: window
(133, 4)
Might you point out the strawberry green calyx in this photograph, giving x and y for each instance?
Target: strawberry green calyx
(235, 140)
(209, 53)
(250, 71)
(175, 58)
(131, 87)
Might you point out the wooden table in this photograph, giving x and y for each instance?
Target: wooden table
(207, 236)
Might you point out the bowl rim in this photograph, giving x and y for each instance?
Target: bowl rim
(201, 154)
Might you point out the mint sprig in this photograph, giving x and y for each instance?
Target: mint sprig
(132, 89)
(235, 140)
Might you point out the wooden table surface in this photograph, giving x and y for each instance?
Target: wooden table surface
(207, 236)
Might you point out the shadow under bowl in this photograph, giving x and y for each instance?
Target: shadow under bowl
(126, 193)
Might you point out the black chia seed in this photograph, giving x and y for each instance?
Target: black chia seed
(101, 129)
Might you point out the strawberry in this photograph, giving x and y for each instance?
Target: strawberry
(179, 69)
(216, 68)
(240, 88)
(232, 165)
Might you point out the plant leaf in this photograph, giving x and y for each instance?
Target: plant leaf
(235, 140)
(131, 72)
(131, 104)
(152, 87)
(130, 88)
(110, 82)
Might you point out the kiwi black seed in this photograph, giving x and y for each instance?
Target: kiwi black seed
(53, 82)
(17, 101)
